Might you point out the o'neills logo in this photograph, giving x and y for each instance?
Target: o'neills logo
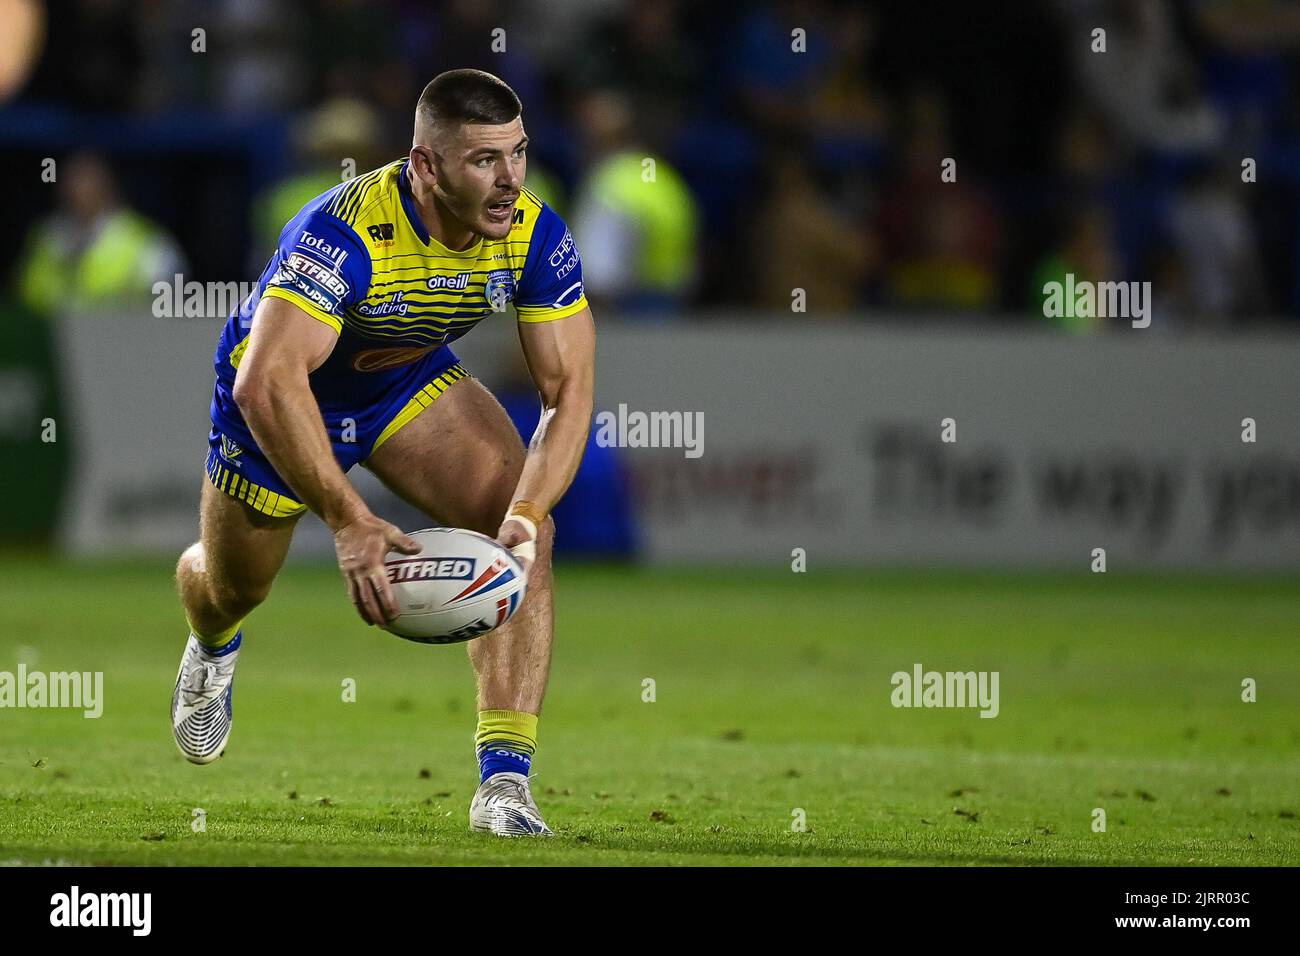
(374, 360)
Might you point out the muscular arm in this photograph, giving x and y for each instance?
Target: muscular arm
(274, 395)
(272, 391)
(561, 356)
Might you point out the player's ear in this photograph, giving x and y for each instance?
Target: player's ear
(422, 163)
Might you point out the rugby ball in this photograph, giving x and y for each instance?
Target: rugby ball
(460, 586)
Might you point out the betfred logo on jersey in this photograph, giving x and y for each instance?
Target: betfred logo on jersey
(327, 278)
(312, 280)
(423, 569)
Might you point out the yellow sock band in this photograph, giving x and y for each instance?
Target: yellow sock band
(511, 728)
(216, 640)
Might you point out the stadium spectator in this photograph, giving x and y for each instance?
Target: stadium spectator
(801, 240)
(772, 82)
(1173, 306)
(645, 54)
(1247, 45)
(706, 92)
(1086, 251)
(847, 118)
(259, 65)
(94, 251)
(1211, 230)
(337, 132)
(1146, 83)
(942, 237)
(635, 213)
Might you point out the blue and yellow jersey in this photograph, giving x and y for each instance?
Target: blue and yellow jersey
(359, 259)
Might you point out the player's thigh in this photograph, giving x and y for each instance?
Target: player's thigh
(458, 461)
(243, 549)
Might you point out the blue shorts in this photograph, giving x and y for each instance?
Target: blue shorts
(237, 467)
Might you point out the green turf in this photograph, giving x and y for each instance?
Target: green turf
(773, 693)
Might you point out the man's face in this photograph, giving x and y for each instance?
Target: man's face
(479, 171)
(87, 187)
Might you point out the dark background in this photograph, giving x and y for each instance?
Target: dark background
(884, 91)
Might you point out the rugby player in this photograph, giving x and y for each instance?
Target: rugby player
(341, 357)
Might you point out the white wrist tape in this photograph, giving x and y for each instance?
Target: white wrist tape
(525, 550)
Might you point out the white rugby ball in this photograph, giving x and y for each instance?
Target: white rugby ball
(460, 586)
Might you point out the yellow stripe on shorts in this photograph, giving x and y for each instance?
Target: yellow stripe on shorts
(420, 401)
(259, 498)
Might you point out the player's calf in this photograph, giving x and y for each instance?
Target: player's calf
(203, 697)
(221, 579)
(213, 608)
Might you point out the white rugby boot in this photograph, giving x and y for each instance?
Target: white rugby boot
(201, 701)
(503, 804)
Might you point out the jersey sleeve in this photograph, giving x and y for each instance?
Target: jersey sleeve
(322, 267)
(551, 284)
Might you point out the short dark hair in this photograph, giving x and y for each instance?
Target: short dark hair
(467, 96)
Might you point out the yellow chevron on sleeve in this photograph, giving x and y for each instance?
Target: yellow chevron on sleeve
(311, 308)
(544, 313)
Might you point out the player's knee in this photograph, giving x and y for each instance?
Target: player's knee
(191, 561)
(238, 598)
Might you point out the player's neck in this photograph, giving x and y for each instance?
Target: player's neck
(438, 219)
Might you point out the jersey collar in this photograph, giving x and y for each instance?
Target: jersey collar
(408, 204)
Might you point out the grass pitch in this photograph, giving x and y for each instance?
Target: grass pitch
(772, 696)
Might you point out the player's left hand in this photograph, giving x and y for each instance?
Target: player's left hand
(515, 536)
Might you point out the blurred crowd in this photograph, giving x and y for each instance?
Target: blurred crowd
(718, 155)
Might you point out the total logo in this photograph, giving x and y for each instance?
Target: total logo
(337, 254)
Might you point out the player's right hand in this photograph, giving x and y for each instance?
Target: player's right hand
(362, 545)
